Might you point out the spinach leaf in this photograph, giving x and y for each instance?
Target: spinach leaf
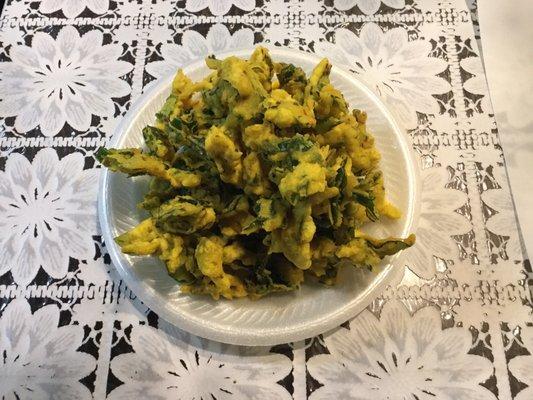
(367, 201)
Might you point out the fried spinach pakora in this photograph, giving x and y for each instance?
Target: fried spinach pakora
(262, 176)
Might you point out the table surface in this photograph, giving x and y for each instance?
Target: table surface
(507, 60)
(457, 322)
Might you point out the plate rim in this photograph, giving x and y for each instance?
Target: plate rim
(172, 316)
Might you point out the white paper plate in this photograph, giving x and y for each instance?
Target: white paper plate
(278, 318)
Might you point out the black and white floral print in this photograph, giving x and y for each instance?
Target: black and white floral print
(399, 356)
(63, 80)
(168, 363)
(48, 214)
(402, 72)
(73, 8)
(40, 358)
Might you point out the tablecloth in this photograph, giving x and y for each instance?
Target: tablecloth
(457, 322)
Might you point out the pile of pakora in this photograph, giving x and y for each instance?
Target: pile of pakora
(261, 177)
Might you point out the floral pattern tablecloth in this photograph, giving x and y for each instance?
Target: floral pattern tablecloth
(456, 324)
